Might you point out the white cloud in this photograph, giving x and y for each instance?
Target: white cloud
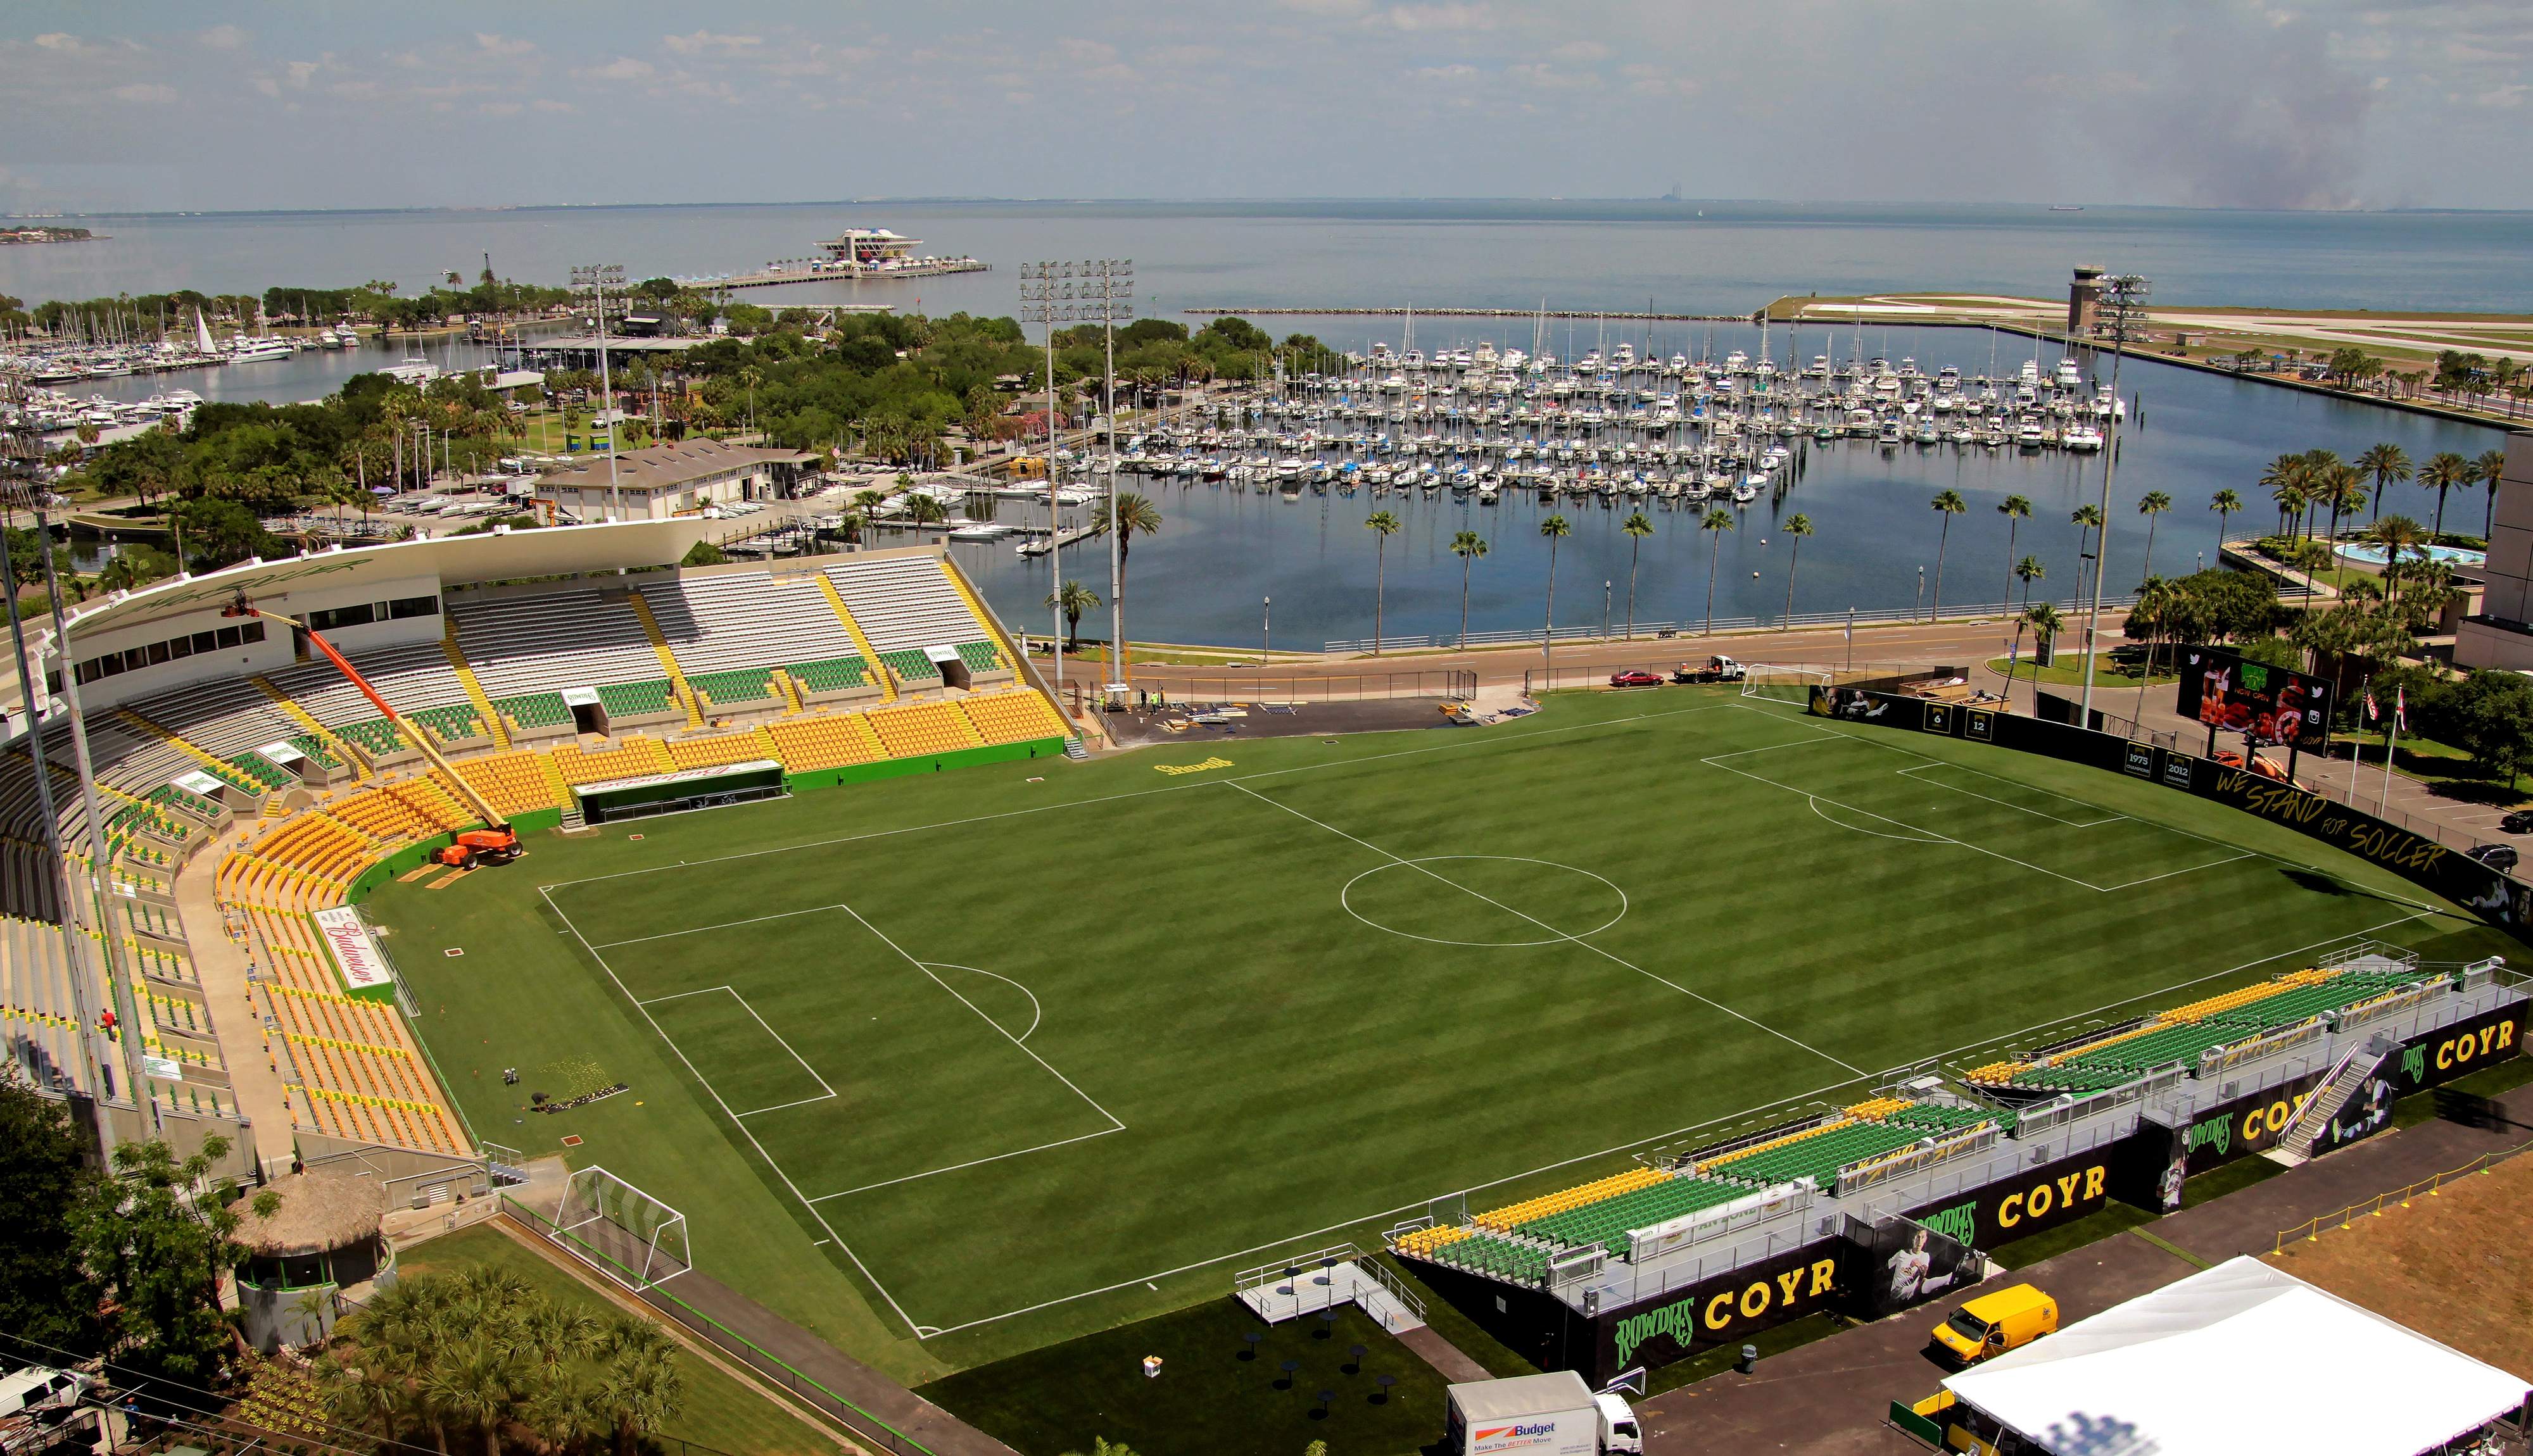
(706, 43)
(146, 93)
(58, 40)
(503, 45)
(622, 68)
(1448, 16)
(224, 37)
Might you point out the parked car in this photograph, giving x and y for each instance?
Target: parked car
(2518, 822)
(1635, 678)
(1715, 669)
(2500, 857)
(1994, 1323)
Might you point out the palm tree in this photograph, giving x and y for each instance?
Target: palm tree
(1382, 525)
(2045, 623)
(1717, 522)
(1135, 514)
(2029, 571)
(1556, 530)
(1637, 529)
(2344, 487)
(1468, 546)
(2150, 505)
(2489, 465)
(2284, 481)
(2017, 509)
(1947, 504)
(2445, 469)
(1798, 526)
(641, 1391)
(927, 510)
(2389, 463)
(473, 1383)
(2088, 519)
(2395, 534)
(340, 492)
(1073, 600)
(2224, 503)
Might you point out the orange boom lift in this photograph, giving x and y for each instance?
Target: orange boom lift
(496, 842)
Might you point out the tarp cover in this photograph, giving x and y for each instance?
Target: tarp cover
(2239, 1358)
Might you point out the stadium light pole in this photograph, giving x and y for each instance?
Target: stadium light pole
(1108, 291)
(596, 277)
(1046, 294)
(2123, 308)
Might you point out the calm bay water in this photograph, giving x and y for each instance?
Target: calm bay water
(1221, 550)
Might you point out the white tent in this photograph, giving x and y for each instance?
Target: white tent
(2239, 1358)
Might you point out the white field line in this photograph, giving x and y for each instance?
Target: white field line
(1915, 770)
(1553, 930)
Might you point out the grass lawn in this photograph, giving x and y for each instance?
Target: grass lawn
(2449, 771)
(719, 1412)
(2068, 671)
(953, 1066)
(1211, 1395)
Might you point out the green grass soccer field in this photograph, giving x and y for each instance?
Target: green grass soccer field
(997, 1057)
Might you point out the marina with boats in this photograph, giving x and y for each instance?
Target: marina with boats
(1476, 421)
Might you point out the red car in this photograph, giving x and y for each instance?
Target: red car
(1635, 678)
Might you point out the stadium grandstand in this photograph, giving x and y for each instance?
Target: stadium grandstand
(2007, 1148)
(543, 667)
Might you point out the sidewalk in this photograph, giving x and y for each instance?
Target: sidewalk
(1832, 1396)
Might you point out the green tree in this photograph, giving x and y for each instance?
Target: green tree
(2389, 464)
(2151, 506)
(2017, 509)
(156, 1235)
(1947, 504)
(703, 554)
(927, 510)
(223, 533)
(1798, 526)
(2489, 466)
(1468, 546)
(2489, 715)
(1382, 525)
(1637, 528)
(2029, 571)
(1715, 522)
(2224, 503)
(641, 1391)
(2088, 519)
(2445, 469)
(1073, 600)
(1556, 529)
(46, 1295)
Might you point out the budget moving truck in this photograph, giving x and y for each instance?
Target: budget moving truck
(1549, 1414)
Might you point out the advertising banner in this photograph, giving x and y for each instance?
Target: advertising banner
(1898, 1262)
(2029, 1202)
(363, 968)
(2272, 704)
(1728, 1307)
(2428, 1060)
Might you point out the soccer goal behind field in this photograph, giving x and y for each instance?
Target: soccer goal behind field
(1783, 684)
(629, 1235)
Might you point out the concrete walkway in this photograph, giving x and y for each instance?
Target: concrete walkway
(220, 965)
(1442, 1355)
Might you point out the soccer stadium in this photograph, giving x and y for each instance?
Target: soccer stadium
(1605, 1033)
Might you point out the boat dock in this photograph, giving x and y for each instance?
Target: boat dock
(818, 270)
(1078, 533)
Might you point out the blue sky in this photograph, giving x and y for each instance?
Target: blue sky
(149, 104)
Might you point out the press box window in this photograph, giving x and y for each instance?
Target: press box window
(406, 607)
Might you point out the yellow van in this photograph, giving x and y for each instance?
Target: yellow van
(1994, 1323)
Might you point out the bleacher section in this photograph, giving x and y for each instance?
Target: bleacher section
(2179, 1037)
(755, 641)
(744, 620)
(913, 730)
(529, 644)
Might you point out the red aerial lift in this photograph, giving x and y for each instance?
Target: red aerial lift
(494, 843)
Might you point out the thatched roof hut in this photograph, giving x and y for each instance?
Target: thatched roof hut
(317, 1214)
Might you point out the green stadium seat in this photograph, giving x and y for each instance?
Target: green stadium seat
(909, 665)
(980, 657)
(625, 699)
(455, 721)
(374, 734)
(535, 710)
(314, 747)
(832, 675)
(259, 772)
(738, 685)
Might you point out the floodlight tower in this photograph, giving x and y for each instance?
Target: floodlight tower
(1108, 294)
(597, 277)
(2123, 315)
(1046, 294)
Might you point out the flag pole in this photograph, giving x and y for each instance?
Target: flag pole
(2392, 736)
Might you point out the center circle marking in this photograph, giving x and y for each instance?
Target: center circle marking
(1345, 897)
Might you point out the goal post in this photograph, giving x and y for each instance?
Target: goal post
(1785, 684)
(626, 1234)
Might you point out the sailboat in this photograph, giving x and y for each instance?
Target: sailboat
(203, 334)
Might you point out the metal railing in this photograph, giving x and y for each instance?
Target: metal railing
(1263, 688)
(2310, 1231)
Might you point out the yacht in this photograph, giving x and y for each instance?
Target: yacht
(244, 350)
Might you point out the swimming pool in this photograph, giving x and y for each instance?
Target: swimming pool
(2370, 554)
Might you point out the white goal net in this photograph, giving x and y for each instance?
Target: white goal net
(1783, 684)
(630, 1236)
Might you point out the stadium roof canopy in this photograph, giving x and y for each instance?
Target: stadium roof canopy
(2242, 1357)
(456, 560)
